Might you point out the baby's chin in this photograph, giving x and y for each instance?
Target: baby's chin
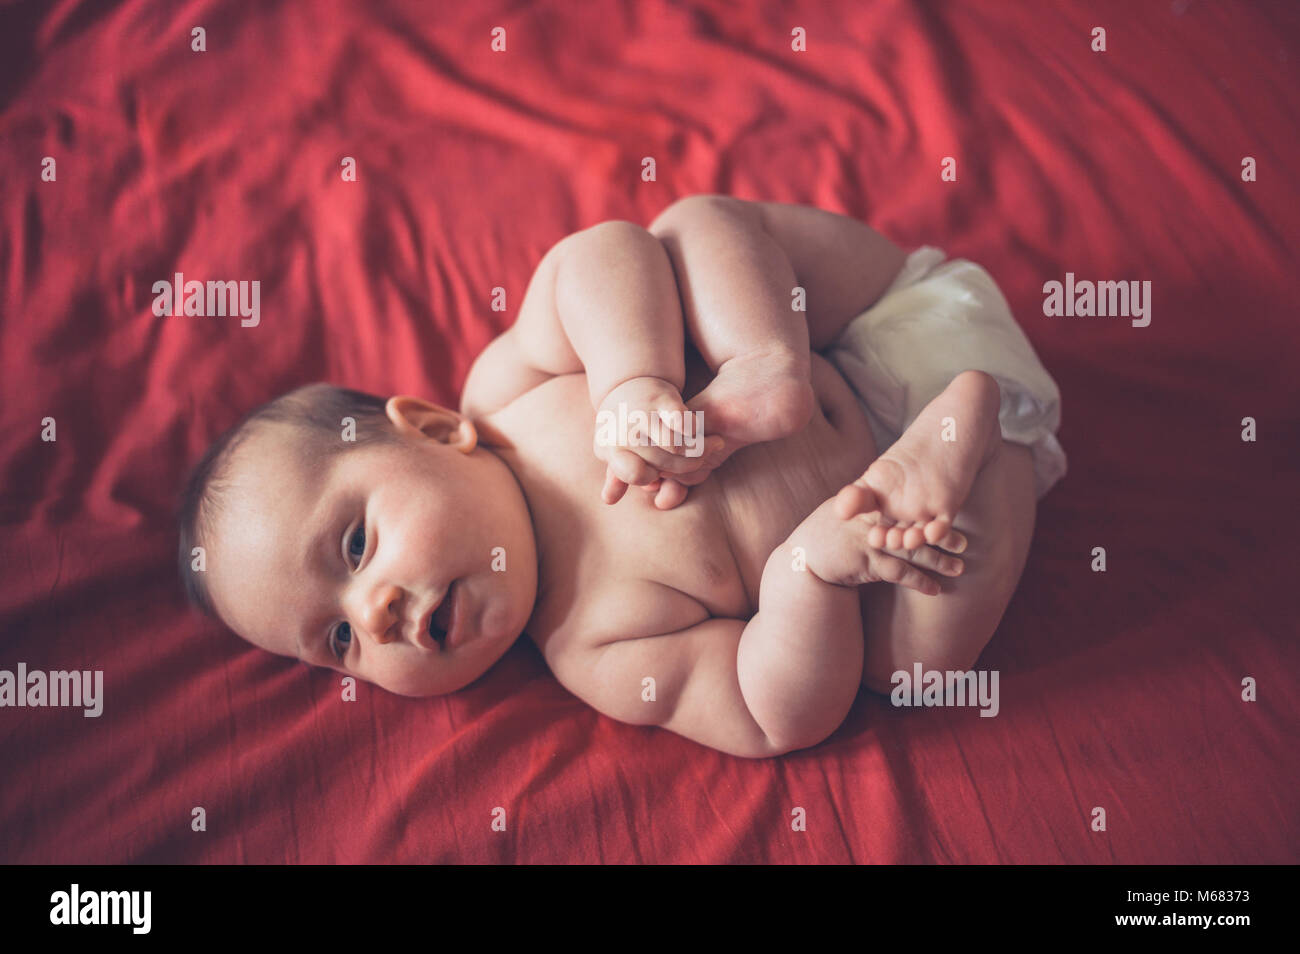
(453, 669)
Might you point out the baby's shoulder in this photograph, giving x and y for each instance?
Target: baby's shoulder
(499, 376)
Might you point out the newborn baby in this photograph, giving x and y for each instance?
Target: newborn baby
(736, 586)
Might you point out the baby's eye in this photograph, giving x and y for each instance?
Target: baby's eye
(357, 543)
(341, 640)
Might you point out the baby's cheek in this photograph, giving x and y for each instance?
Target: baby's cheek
(398, 673)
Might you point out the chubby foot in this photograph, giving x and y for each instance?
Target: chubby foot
(757, 397)
(921, 482)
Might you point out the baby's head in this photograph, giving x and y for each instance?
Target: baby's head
(337, 551)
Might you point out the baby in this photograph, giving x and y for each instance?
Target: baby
(753, 580)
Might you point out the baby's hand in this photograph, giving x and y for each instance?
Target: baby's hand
(751, 399)
(671, 489)
(837, 551)
(645, 438)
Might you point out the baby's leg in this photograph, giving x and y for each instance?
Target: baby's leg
(948, 631)
(736, 272)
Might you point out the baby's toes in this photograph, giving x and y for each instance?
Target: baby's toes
(937, 529)
(876, 537)
(894, 538)
(914, 538)
(854, 499)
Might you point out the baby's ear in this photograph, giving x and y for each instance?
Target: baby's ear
(416, 417)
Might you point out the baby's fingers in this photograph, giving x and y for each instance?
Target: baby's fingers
(891, 569)
(670, 494)
(670, 431)
(627, 468)
(656, 458)
(928, 558)
(954, 541)
(614, 488)
(660, 421)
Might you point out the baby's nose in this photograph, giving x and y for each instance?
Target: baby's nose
(381, 613)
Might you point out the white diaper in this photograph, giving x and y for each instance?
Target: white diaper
(937, 319)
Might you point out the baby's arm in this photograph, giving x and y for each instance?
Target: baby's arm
(783, 681)
(616, 299)
(603, 301)
(737, 264)
(617, 305)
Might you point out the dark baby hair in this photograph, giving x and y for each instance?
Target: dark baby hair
(315, 409)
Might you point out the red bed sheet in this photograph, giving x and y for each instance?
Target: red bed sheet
(1121, 689)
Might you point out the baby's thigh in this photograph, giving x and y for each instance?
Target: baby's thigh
(949, 631)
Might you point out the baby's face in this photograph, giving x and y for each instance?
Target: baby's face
(340, 560)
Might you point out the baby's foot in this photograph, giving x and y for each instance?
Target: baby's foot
(763, 396)
(922, 481)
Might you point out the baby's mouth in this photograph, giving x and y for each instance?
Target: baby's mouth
(440, 620)
(438, 634)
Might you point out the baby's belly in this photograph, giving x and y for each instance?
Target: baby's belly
(768, 489)
(705, 557)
